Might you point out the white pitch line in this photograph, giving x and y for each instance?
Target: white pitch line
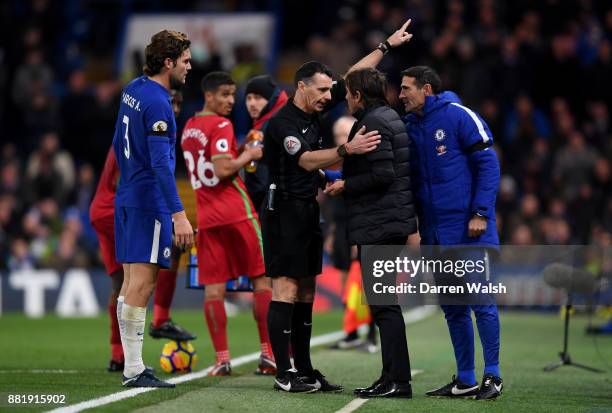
(358, 402)
(352, 406)
(410, 316)
(40, 371)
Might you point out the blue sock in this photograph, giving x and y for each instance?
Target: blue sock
(467, 376)
(494, 370)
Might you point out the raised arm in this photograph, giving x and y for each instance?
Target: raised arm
(372, 60)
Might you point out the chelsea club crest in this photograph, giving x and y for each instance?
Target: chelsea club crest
(439, 135)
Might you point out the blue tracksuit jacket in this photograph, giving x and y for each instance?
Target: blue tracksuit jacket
(455, 171)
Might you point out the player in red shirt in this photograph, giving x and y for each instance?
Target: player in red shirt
(229, 236)
(101, 215)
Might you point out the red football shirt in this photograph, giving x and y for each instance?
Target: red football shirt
(103, 204)
(206, 137)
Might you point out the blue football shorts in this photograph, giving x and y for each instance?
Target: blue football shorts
(143, 236)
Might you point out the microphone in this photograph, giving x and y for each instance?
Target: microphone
(572, 279)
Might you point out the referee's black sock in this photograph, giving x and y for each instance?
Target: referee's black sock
(279, 329)
(300, 337)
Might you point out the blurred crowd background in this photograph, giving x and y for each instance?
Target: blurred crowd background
(538, 71)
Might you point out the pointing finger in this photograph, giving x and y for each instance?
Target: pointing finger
(405, 26)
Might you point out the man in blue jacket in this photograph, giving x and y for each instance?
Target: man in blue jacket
(455, 180)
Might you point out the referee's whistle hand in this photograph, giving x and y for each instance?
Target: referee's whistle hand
(363, 142)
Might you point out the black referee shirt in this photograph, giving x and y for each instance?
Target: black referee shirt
(290, 133)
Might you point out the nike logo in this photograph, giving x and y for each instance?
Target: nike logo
(286, 387)
(498, 388)
(287, 331)
(126, 381)
(308, 324)
(223, 124)
(140, 334)
(304, 130)
(458, 392)
(315, 385)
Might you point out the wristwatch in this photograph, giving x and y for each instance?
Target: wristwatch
(384, 47)
(342, 151)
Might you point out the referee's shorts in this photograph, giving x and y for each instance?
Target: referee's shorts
(292, 238)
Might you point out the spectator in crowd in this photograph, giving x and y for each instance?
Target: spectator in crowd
(602, 185)
(50, 170)
(263, 98)
(42, 224)
(41, 115)
(598, 127)
(20, 258)
(529, 212)
(596, 76)
(77, 114)
(10, 182)
(84, 189)
(66, 254)
(522, 235)
(99, 138)
(573, 165)
(10, 227)
(525, 123)
(33, 76)
(247, 63)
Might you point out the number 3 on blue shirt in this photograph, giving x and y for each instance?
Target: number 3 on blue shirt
(126, 150)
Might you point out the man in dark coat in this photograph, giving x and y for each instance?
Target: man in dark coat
(376, 188)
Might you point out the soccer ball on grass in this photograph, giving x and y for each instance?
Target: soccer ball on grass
(178, 357)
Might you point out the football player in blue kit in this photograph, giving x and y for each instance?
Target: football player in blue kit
(147, 203)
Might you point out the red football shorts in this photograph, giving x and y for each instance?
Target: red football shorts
(105, 228)
(229, 251)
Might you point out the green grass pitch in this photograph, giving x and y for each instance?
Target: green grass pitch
(79, 347)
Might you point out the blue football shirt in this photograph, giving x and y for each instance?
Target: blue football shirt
(144, 145)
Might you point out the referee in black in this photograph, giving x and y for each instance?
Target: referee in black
(292, 238)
